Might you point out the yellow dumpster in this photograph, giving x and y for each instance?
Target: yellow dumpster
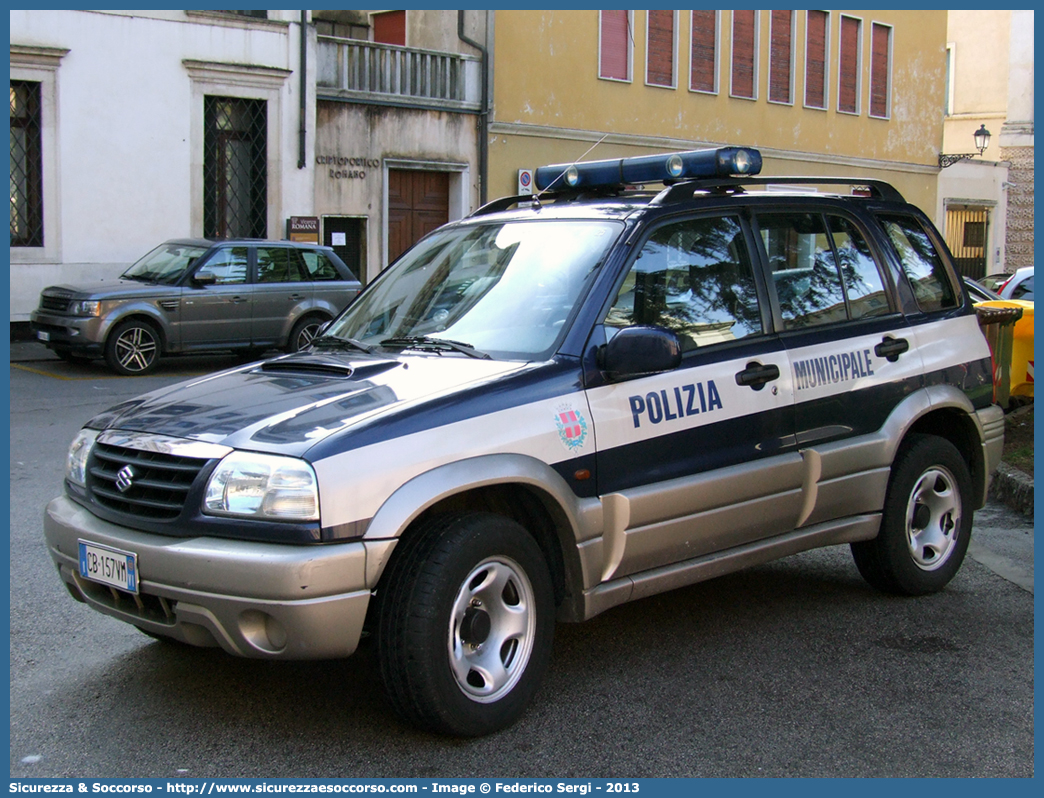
(1014, 355)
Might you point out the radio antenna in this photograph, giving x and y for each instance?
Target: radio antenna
(536, 197)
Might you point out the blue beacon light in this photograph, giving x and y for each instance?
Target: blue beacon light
(721, 162)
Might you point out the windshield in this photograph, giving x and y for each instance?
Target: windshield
(165, 264)
(503, 289)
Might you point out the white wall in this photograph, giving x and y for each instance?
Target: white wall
(976, 182)
(128, 137)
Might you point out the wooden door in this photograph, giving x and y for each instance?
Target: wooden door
(418, 202)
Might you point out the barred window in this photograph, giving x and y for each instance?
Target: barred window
(26, 165)
(235, 173)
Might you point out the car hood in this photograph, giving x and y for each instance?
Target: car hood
(113, 289)
(290, 403)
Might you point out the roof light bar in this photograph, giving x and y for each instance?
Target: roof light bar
(721, 162)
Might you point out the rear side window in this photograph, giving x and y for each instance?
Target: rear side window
(694, 278)
(319, 266)
(933, 290)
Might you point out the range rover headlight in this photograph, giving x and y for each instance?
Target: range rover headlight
(85, 307)
(265, 486)
(79, 451)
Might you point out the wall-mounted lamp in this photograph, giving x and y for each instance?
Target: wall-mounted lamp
(982, 141)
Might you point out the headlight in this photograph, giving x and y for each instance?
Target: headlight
(263, 486)
(76, 461)
(85, 307)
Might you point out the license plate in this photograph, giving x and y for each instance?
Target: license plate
(109, 566)
(43, 336)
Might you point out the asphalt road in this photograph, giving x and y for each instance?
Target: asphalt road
(796, 668)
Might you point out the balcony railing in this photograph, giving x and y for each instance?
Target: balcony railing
(361, 71)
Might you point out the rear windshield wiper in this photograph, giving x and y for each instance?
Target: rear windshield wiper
(422, 342)
(344, 343)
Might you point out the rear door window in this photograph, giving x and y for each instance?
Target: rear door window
(279, 265)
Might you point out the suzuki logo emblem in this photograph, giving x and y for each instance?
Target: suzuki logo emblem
(125, 478)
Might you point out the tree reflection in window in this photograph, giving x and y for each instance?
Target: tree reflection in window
(694, 278)
(863, 283)
(931, 285)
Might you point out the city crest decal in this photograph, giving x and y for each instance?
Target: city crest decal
(572, 427)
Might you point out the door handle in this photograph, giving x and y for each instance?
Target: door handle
(237, 300)
(294, 297)
(755, 375)
(890, 348)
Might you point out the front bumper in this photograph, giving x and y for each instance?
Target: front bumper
(260, 600)
(83, 335)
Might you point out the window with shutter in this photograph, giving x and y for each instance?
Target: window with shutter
(817, 56)
(880, 67)
(848, 79)
(781, 57)
(744, 54)
(704, 57)
(614, 57)
(659, 67)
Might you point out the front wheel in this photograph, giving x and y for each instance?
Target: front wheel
(926, 525)
(465, 624)
(133, 348)
(304, 333)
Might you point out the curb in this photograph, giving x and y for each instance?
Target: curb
(1014, 488)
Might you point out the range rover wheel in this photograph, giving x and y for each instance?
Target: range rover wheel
(926, 526)
(304, 331)
(133, 348)
(465, 624)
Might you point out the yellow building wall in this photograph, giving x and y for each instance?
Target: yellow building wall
(550, 105)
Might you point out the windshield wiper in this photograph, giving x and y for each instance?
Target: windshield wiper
(344, 343)
(423, 342)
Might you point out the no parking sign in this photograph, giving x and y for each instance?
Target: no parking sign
(525, 181)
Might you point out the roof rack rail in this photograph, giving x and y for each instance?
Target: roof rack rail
(680, 192)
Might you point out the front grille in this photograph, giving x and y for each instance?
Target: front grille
(142, 605)
(59, 304)
(154, 484)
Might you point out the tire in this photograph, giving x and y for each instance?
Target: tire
(133, 348)
(304, 331)
(465, 624)
(926, 525)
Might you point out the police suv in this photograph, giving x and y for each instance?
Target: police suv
(561, 403)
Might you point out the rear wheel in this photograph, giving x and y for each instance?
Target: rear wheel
(133, 348)
(926, 525)
(465, 624)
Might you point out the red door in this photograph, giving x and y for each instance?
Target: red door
(418, 202)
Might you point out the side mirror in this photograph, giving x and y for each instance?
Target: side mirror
(637, 351)
(202, 279)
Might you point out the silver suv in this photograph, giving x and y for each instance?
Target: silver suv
(557, 405)
(193, 295)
